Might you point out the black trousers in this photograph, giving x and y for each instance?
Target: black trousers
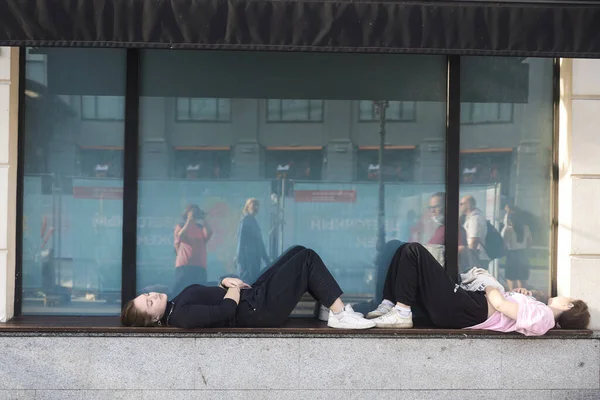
(278, 290)
(415, 277)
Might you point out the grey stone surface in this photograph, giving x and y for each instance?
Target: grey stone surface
(575, 394)
(353, 395)
(17, 394)
(289, 368)
(438, 363)
(550, 364)
(247, 363)
(89, 395)
(44, 363)
(449, 364)
(141, 363)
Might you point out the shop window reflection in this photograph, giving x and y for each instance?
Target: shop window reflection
(506, 132)
(72, 203)
(305, 160)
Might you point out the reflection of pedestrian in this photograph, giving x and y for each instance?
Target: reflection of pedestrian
(190, 240)
(517, 238)
(476, 227)
(437, 212)
(250, 249)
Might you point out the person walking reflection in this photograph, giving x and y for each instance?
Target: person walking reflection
(190, 238)
(517, 239)
(250, 248)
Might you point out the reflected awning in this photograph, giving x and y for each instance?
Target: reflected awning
(567, 29)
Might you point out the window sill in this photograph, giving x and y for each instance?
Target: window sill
(110, 326)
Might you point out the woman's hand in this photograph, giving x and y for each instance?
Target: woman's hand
(234, 283)
(522, 291)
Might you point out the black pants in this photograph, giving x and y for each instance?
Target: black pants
(278, 290)
(415, 277)
(187, 275)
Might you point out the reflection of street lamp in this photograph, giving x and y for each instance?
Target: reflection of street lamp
(380, 107)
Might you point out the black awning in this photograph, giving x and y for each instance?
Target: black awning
(458, 27)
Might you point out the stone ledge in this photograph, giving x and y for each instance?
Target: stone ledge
(298, 328)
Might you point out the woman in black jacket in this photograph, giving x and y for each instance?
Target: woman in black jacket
(234, 303)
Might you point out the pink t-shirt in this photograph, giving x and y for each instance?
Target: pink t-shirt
(534, 318)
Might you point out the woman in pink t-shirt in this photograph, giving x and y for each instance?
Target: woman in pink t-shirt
(415, 278)
(190, 238)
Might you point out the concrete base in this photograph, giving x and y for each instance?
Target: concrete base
(82, 367)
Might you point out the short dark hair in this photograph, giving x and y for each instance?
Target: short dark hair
(131, 316)
(576, 317)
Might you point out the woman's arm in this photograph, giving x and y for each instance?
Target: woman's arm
(177, 237)
(497, 300)
(233, 293)
(182, 230)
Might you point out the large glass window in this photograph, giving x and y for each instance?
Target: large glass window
(505, 164)
(73, 161)
(317, 151)
(295, 143)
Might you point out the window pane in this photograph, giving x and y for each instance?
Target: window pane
(183, 109)
(394, 111)
(310, 174)
(36, 67)
(295, 110)
(88, 107)
(110, 107)
(365, 112)
(506, 160)
(203, 109)
(72, 211)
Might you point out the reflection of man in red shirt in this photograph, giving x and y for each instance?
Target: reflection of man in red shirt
(437, 210)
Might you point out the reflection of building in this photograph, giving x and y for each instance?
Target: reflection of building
(201, 138)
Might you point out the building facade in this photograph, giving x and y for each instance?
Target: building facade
(101, 150)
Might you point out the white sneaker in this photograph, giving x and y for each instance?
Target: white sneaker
(381, 309)
(393, 319)
(348, 320)
(324, 312)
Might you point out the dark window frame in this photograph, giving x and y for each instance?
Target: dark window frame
(96, 117)
(510, 120)
(296, 121)
(191, 119)
(131, 172)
